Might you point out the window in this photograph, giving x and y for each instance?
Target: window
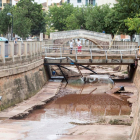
(91, 2)
(0, 3)
(78, 1)
(86, 2)
(68, 1)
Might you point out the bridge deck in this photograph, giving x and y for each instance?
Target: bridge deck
(91, 57)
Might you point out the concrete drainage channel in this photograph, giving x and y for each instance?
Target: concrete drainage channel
(77, 111)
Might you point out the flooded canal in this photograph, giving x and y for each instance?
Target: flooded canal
(77, 103)
(73, 105)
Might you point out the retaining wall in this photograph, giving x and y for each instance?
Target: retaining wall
(21, 82)
(135, 133)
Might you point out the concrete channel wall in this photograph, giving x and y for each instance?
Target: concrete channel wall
(19, 84)
(135, 133)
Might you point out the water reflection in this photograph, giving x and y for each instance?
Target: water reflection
(93, 105)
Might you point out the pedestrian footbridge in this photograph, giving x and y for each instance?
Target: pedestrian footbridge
(116, 55)
(94, 37)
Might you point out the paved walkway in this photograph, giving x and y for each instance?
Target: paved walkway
(98, 132)
(24, 108)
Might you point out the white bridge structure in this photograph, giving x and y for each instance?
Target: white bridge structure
(95, 37)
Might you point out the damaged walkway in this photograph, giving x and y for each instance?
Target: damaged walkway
(24, 108)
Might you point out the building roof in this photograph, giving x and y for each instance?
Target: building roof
(44, 4)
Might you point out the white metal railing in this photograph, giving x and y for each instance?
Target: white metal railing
(61, 52)
(20, 49)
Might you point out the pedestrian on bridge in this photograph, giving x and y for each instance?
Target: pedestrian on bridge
(79, 46)
(71, 46)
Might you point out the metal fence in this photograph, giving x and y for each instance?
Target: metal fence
(114, 49)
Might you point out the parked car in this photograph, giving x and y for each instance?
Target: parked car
(126, 40)
(4, 39)
(29, 39)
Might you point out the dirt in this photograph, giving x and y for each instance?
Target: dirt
(77, 112)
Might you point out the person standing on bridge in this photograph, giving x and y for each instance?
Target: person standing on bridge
(71, 46)
(79, 46)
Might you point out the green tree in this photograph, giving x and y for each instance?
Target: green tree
(49, 27)
(5, 21)
(58, 15)
(32, 12)
(95, 17)
(76, 19)
(121, 11)
(133, 24)
(22, 24)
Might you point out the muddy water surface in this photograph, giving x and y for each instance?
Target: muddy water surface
(73, 105)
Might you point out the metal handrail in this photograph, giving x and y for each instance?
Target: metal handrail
(103, 50)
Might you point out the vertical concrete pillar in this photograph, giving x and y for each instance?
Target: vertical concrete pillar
(2, 44)
(40, 48)
(30, 44)
(19, 49)
(12, 50)
(81, 42)
(36, 47)
(33, 45)
(25, 49)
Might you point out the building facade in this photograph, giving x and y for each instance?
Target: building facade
(91, 2)
(4, 2)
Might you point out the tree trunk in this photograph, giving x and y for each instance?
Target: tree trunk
(131, 38)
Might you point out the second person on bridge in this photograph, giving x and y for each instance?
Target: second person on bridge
(79, 46)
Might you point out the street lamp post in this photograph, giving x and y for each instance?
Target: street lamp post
(9, 14)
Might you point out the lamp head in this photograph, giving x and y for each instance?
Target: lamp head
(9, 14)
(0, 98)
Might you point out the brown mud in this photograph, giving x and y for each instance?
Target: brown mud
(76, 112)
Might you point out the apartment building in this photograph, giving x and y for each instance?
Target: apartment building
(4, 2)
(91, 2)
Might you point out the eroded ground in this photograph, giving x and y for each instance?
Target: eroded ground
(77, 112)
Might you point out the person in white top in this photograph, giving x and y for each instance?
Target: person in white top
(79, 46)
(71, 46)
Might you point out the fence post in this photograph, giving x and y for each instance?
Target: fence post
(30, 48)
(3, 51)
(25, 49)
(40, 48)
(12, 50)
(19, 50)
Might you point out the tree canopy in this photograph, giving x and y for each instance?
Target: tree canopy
(5, 22)
(58, 15)
(28, 18)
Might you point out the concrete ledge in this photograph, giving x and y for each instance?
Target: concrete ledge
(20, 69)
(24, 108)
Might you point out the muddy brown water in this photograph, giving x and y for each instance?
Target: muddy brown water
(73, 104)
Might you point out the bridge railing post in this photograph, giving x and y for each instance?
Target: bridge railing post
(19, 49)
(63, 48)
(2, 44)
(25, 49)
(12, 50)
(121, 56)
(106, 56)
(76, 54)
(31, 49)
(46, 51)
(60, 52)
